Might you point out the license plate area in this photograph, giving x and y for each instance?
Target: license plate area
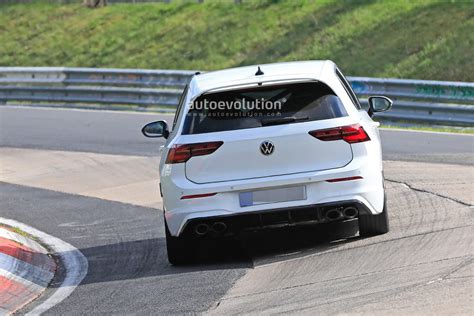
(259, 197)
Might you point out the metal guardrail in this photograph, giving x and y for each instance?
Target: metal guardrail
(145, 88)
(432, 102)
(425, 101)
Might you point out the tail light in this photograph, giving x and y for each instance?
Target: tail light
(350, 133)
(182, 153)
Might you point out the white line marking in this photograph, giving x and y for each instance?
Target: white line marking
(45, 108)
(421, 131)
(73, 261)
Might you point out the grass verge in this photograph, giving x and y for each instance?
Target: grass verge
(426, 39)
(19, 232)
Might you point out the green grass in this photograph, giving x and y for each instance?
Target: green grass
(19, 232)
(421, 39)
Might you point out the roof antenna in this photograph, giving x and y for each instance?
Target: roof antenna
(259, 72)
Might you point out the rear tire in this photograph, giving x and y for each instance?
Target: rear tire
(372, 225)
(180, 249)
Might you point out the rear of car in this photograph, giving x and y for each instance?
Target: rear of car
(268, 150)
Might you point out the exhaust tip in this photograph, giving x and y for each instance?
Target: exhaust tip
(350, 212)
(201, 229)
(219, 227)
(333, 214)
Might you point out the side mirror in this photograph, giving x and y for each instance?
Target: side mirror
(379, 104)
(156, 129)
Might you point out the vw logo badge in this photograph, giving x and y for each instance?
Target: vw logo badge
(267, 148)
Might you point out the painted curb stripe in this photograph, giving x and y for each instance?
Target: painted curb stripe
(9, 234)
(18, 279)
(24, 291)
(74, 263)
(27, 255)
(25, 270)
(14, 294)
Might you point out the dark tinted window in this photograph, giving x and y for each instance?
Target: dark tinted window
(262, 106)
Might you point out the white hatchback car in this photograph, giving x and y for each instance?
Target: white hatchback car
(268, 146)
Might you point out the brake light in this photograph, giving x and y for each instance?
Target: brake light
(182, 153)
(350, 133)
(345, 179)
(195, 196)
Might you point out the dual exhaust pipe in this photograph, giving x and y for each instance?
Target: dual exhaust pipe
(335, 214)
(203, 228)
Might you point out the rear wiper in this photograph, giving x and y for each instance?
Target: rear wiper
(283, 120)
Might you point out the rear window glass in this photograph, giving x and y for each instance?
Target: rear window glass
(262, 106)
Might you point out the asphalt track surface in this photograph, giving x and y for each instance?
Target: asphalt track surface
(119, 133)
(424, 265)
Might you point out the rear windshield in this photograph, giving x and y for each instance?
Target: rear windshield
(262, 106)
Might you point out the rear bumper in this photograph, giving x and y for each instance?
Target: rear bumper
(367, 193)
(274, 218)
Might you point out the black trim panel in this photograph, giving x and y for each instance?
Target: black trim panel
(273, 218)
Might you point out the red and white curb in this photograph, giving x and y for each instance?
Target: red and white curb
(26, 269)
